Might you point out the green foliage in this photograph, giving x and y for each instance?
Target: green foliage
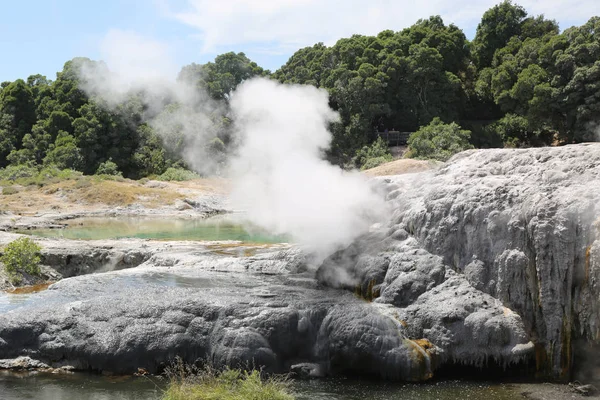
(438, 141)
(14, 173)
(498, 25)
(520, 77)
(375, 162)
(108, 167)
(550, 82)
(64, 153)
(516, 131)
(21, 256)
(394, 80)
(177, 174)
(220, 78)
(26, 175)
(8, 190)
(372, 156)
(187, 383)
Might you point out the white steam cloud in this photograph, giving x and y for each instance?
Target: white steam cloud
(279, 177)
(139, 65)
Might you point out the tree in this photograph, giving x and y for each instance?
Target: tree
(64, 153)
(438, 141)
(221, 77)
(392, 80)
(550, 81)
(17, 116)
(498, 25)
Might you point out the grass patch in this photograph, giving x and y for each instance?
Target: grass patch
(82, 183)
(116, 193)
(189, 383)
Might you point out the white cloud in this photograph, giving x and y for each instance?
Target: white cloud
(134, 57)
(277, 25)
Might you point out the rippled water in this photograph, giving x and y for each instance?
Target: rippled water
(216, 228)
(44, 386)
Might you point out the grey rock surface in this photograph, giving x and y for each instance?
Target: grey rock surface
(492, 258)
(146, 316)
(493, 249)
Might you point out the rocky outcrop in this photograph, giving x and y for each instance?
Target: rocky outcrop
(144, 317)
(492, 239)
(492, 259)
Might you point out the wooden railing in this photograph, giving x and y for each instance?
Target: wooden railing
(394, 138)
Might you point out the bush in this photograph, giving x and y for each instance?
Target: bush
(26, 176)
(9, 190)
(177, 174)
(108, 167)
(371, 156)
(187, 383)
(438, 141)
(516, 131)
(375, 162)
(15, 172)
(21, 256)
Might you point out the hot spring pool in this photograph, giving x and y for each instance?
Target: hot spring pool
(216, 228)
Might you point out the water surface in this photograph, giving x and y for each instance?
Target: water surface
(44, 386)
(215, 228)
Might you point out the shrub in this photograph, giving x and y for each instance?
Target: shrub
(26, 176)
(14, 172)
(438, 141)
(21, 256)
(516, 131)
(374, 162)
(9, 190)
(230, 384)
(177, 174)
(371, 156)
(108, 167)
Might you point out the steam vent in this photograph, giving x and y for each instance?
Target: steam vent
(489, 262)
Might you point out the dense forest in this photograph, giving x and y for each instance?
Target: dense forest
(519, 82)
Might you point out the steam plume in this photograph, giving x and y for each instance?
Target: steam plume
(279, 176)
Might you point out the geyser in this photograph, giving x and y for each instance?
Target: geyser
(280, 177)
(278, 171)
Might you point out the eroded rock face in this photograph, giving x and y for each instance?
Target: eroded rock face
(494, 249)
(144, 317)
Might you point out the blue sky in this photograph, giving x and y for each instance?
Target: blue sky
(39, 36)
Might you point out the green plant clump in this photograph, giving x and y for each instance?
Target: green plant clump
(229, 384)
(29, 176)
(438, 141)
(7, 190)
(21, 256)
(374, 155)
(108, 167)
(177, 174)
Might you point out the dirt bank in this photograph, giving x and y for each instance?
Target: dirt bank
(34, 206)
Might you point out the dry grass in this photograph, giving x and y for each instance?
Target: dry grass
(88, 193)
(113, 193)
(402, 166)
